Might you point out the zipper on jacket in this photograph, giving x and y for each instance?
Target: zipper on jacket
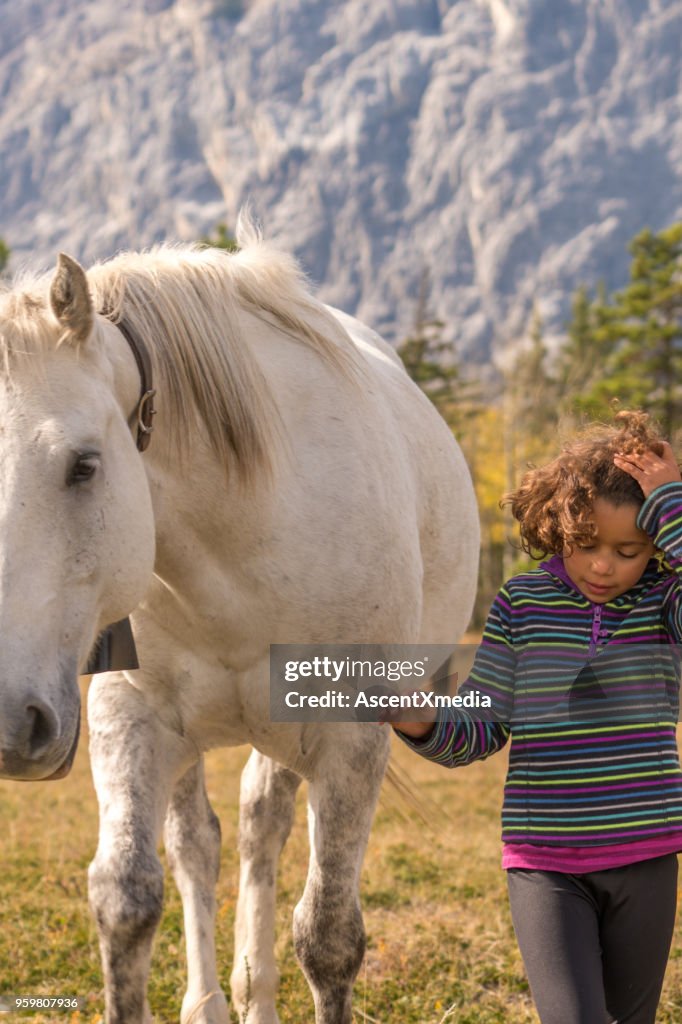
(596, 628)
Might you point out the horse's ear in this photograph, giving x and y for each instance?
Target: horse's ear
(70, 299)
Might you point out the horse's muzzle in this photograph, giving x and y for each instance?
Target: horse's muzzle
(66, 766)
(42, 745)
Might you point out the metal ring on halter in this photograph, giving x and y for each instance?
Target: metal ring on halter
(145, 412)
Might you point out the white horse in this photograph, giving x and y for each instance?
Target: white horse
(298, 488)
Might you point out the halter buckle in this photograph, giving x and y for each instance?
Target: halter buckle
(145, 414)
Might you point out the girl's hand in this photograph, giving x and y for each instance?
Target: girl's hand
(650, 470)
(415, 730)
(421, 725)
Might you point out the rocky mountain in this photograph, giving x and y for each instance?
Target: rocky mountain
(506, 149)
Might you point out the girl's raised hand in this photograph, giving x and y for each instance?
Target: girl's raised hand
(650, 470)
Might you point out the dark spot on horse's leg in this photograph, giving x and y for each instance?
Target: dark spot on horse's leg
(329, 938)
(127, 902)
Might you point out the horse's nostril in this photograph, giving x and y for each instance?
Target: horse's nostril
(42, 728)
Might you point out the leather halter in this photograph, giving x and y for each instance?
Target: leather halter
(115, 648)
(144, 412)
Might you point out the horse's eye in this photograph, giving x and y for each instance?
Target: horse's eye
(83, 469)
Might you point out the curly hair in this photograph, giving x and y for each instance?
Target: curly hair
(554, 503)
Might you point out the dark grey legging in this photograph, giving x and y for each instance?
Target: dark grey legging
(595, 946)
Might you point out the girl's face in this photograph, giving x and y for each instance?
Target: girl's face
(616, 558)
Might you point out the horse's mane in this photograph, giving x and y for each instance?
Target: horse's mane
(184, 302)
(170, 294)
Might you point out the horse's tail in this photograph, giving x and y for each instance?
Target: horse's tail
(409, 802)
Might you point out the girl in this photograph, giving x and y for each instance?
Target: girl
(592, 814)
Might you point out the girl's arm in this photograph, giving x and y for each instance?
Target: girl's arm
(661, 516)
(460, 735)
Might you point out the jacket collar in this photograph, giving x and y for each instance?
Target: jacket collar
(652, 574)
(556, 566)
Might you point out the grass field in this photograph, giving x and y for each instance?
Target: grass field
(440, 942)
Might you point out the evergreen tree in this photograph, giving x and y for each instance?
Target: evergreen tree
(529, 419)
(631, 344)
(581, 361)
(531, 388)
(431, 363)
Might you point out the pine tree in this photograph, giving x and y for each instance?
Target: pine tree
(431, 363)
(529, 417)
(530, 386)
(581, 361)
(632, 343)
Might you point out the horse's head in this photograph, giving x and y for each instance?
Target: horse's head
(76, 523)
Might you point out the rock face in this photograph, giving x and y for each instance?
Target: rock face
(506, 148)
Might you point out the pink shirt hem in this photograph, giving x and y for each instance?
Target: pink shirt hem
(577, 861)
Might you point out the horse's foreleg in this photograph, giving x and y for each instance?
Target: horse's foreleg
(329, 933)
(192, 839)
(266, 814)
(132, 766)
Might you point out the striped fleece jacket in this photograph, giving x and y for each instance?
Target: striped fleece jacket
(589, 694)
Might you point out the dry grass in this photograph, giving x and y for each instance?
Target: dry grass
(440, 943)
